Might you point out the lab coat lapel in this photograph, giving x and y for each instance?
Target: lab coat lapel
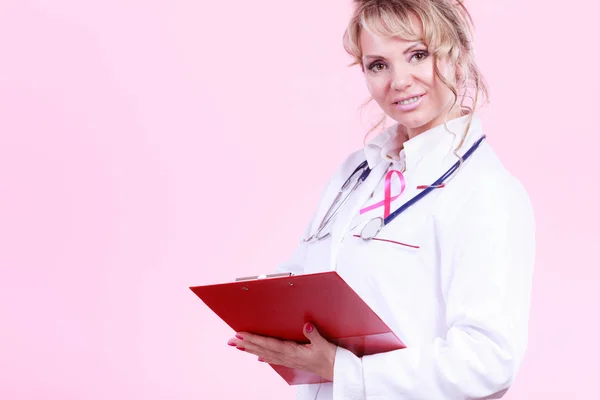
(346, 215)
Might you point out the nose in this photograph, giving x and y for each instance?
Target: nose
(401, 79)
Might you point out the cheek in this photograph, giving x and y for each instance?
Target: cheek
(427, 75)
(439, 92)
(445, 69)
(448, 71)
(377, 87)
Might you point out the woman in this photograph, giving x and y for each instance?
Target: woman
(451, 274)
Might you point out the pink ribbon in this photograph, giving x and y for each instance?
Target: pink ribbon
(387, 200)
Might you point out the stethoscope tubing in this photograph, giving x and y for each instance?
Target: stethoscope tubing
(382, 221)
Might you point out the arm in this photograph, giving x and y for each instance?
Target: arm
(487, 291)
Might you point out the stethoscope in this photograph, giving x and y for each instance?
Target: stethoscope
(374, 226)
(330, 214)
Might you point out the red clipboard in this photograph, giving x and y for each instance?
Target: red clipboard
(280, 306)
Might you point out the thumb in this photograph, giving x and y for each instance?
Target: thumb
(312, 333)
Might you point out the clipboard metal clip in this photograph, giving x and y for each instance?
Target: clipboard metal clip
(250, 278)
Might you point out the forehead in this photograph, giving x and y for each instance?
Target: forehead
(376, 36)
(374, 44)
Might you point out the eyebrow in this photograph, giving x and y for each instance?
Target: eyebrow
(409, 48)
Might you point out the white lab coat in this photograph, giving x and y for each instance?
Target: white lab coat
(460, 302)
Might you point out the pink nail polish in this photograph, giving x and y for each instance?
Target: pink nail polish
(241, 348)
(231, 344)
(309, 328)
(261, 359)
(239, 337)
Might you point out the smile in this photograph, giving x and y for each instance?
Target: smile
(408, 101)
(409, 104)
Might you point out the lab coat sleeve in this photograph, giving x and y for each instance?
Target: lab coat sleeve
(486, 285)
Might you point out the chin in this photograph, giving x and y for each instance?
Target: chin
(411, 120)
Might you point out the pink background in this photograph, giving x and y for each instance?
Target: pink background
(148, 146)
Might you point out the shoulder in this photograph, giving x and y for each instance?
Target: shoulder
(485, 214)
(353, 160)
(347, 166)
(340, 174)
(484, 189)
(493, 183)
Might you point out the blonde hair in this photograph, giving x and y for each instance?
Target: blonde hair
(447, 30)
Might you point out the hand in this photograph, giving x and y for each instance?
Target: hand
(317, 357)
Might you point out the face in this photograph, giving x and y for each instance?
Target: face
(400, 77)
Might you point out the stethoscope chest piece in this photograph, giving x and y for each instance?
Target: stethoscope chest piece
(371, 228)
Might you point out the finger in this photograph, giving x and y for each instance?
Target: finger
(235, 341)
(268, 356)
(265, 342)
(290, 356)
(312, 334)
(272, 361)
(277, 361)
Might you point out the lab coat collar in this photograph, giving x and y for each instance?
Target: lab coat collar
(385, 147)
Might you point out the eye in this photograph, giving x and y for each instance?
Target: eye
(419, 55)
(376, 66)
